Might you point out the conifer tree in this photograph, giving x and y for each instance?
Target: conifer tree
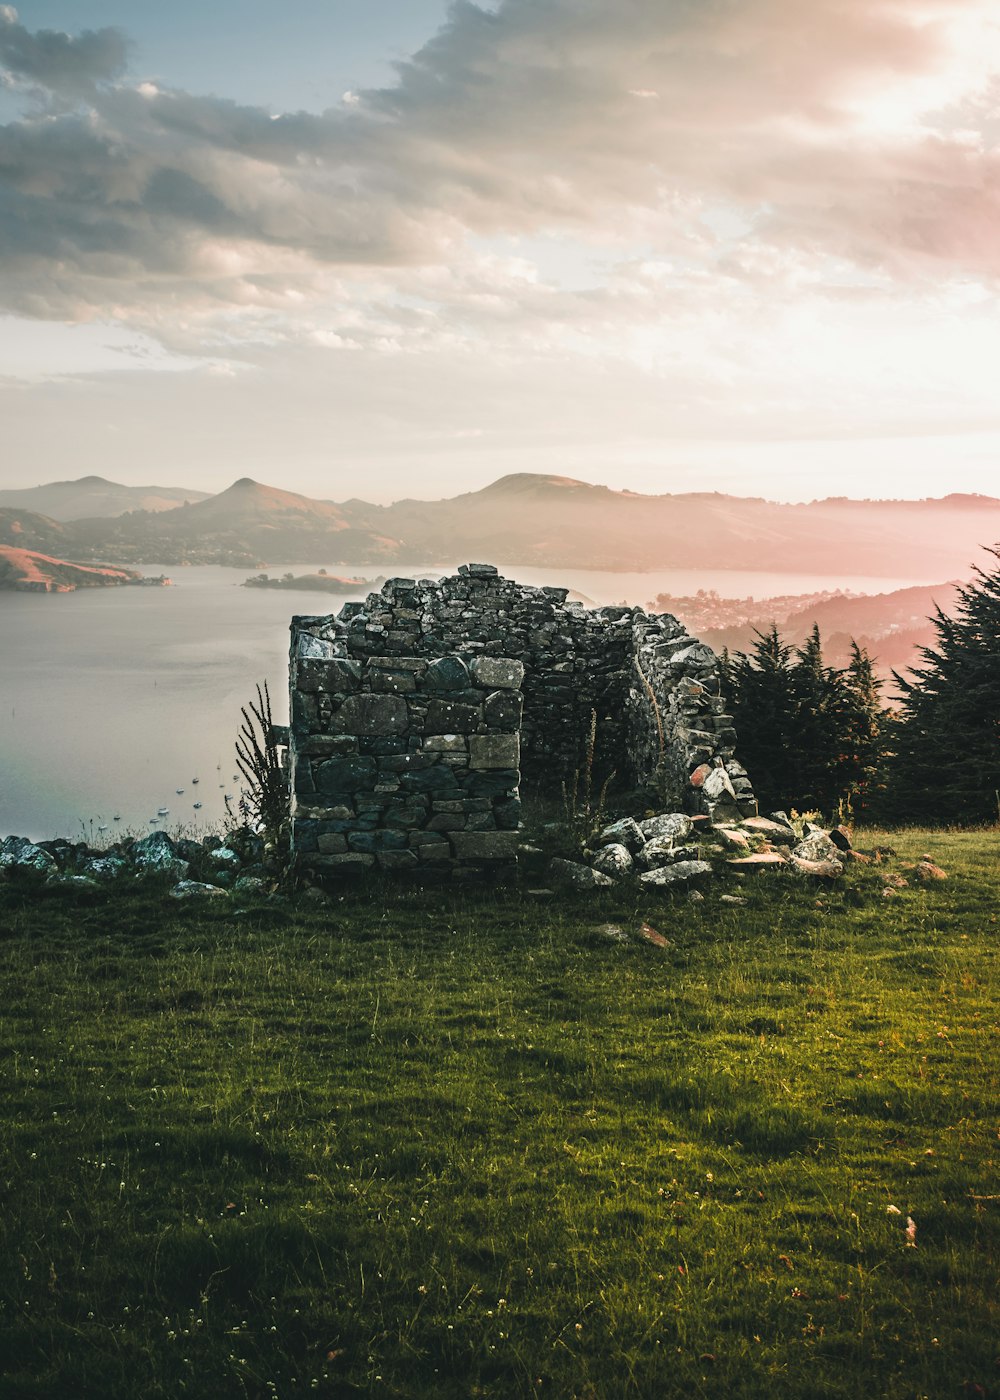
(862, 726)
(757, 690)
(946, 741)
(810, 735)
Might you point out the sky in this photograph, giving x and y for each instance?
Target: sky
(388, 248)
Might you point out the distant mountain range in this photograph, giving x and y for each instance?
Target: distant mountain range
(523, 518)
(93, 495)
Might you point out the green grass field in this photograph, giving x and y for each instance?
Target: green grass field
(465, 1144)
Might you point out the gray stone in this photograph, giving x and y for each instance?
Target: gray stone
(494, 751)
(614, 860)
(775, 832)
(250, 885)
(820, 869)
(452, 717)
(18, 853)
(345, 775)
(677, 874)
(195, 889)
(314, 648)
(717, 785)
(582, 877)
(497, 672)
(485, 845)
(107, 867)
(373, 714)
(447, 673)
(674, 826)
(662, 850)
(622, 833)
(817, 846)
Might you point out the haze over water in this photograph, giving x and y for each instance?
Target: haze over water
(111, 699)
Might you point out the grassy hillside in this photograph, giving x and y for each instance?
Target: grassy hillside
(465, 1144)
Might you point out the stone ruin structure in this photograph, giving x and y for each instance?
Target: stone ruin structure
(415, 714)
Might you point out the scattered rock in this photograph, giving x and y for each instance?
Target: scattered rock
(569, 872)
(820, 869)
(760, 860)
(155, 854)
(817, 847)
(663, 851)
(677, 874)
(613, 860)
(731, 839)
(779, 833)
(673, 826)
(842, 838)
(731, 899)
(625, 833)
(614, 932)
(194, 889)
(18, 853)
(250, 884)
(926, 871)
(652, 935)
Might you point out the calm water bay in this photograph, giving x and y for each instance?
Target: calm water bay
(111, 699)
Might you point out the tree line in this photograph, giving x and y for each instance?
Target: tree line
(820, 738)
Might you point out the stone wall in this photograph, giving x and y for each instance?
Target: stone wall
(415, 714)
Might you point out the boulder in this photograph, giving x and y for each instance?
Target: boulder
(817, 846)
(674, 825)
(662, 851)
(154, 854)
(625, 833)
(761, 860)
(18, 853)
(821, 869)
(581, 877)
(614, 860)
(778, 833)
(678, 874)
(194, 889)
(107, 867)
(731, 839)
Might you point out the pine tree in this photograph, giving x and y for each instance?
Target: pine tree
(757, 690)
(862, 728)
(817, 742)
(810, 735)
(946, 761)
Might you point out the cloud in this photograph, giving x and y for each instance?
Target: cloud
(824, 131)
(58, 62)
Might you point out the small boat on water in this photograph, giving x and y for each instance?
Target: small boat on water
(179, 791)
(196, 806)
(163, 811)
(102, 828)
(116, 818)
(195, 780)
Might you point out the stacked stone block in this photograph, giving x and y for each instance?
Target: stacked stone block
(681, 735)
(402, 763)
(414, 712)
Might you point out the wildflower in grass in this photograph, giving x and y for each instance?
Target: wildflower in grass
(893, 1210)
(911, 1232)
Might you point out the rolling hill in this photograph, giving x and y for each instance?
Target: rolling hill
(94, 496)
(554, 521)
